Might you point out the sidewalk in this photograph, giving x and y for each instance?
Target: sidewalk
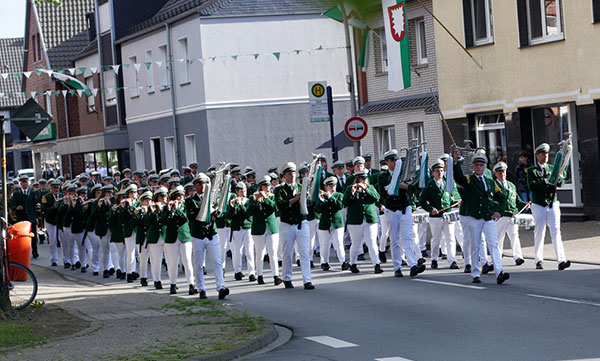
(131, 322)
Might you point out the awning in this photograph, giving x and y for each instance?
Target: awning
(398, 104)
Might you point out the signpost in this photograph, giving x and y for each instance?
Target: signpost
(318, 101)
(356, 128)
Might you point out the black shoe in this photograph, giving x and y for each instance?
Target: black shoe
(84, 269)
(421, 261)
(238, 276)
(78, 265)
(266, 258)
(309, 286)
(382, 257)
(486, 269)
(111, 271)
(424, 253)
(345, 266)
(434, 264)
(312, 264)
(193, 290)
(229, 254)
(503, 276)
(54, 264)
(453, 265)
(144, 282)
(173, 290)
(280, 263)
(288, 284)
(252, 278)
(119, 273)
(564, 265)
(105, 274)
(519, 261)
(223, 292)
(158, 285)
(203, 295)
(398, 273)
(539, 265)
(476, 280)
(204, 271)
(95, 273)
(365, 248)
(298, 262)
(361, 257)
(261, 281)
(35, 255)
(325, 266)
(277, 280)
(354, 269)
(135, 275)
(122, 275)
(378, 269)
(467, 268)
(129, 278)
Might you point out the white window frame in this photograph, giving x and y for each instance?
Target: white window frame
(489, 20)
(170, 152)
(91, 99)
(190, 148)
(134, 80)
(153, 151)
(391, 139)
(545, 38)
(139, 155)
(383, 52)
(48, 99)
(149, 73)
(164, 70)
(421, 40)
(184, 63)
(420, 127)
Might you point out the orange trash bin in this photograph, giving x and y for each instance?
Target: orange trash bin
(19, 248)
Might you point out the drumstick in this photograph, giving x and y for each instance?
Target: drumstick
(521, 211)
(450, 206)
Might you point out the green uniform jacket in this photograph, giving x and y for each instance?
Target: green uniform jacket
(361, 206)
(115, 224)
(154, 226)
(480, 204)
(253, 188)
(283, 194)
(514, 203)
(198, 229)
(393, 203)
(331, 212)
(79, 215)
(263, 215)
(49, 208)
(176, 223)
(542, 194)
(67, 215)
(434, 197)
(221, 219)
(238, 216)
(139, 227)
(101, 217)
(187, 179)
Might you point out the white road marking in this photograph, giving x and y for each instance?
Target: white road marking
(331, 342)
(564, 300)
(392, 359)
(449, 284)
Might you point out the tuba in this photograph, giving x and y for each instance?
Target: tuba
(467, 153)
(216, 195)
(310, 184)
(561, 162)
(411, 162)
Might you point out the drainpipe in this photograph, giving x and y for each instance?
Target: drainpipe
(99, 44)
(173, 103)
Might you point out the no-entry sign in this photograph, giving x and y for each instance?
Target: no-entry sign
(356, 128)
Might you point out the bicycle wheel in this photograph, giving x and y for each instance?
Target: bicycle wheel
(23, 285)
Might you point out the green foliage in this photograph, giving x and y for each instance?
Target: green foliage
(17, 334)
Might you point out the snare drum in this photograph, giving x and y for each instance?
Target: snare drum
(451, 216)
(419, 218)
(524, 220)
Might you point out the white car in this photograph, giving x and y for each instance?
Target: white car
(29, 172)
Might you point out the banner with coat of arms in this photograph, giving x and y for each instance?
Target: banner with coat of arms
(398, 49)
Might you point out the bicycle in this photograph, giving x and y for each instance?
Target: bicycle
(20, 281)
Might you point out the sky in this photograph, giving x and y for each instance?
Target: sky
(12, 18)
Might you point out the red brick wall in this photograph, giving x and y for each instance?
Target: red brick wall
(77, 164)
(91, 122)
(66, 168)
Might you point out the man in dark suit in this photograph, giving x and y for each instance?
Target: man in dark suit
(23, 204)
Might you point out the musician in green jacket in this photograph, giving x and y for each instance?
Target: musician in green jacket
(437, 201)
(94, 241)
(484, 206)
(545, 208)
(116, 220)
(331, 224)
(362, 218)
(101, 230)
(264, 230)
(128, 205)
(240, 228)
(50, 203)
(140, 229)
(155, 234)
(80, 212)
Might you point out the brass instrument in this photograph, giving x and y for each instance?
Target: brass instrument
(467, 153)
(308, 183)
(561, 162)
(215, 195)
(411, 162)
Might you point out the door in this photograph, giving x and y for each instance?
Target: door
(491, 136)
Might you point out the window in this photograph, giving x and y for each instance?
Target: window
(155, 153)
(164, 79)
(595, 11)
(478, 22)
(190, 148)
(386, 140)
(48, 104)
(383, 47)
(421, 42)
(184, 62)
(416, 131)
(34, 45)
(149, 73)
(134, 80)
(491, 136)
(540, 21)
(110, 82)
(170, 152)
(91, 99)
(38, 45)
(139, 155)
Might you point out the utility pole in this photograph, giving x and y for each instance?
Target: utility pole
(5, 306)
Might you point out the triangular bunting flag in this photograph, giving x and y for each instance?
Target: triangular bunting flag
(181, 60)
(116, 68)
(25, 94)
(56, 93)
(148, 65)
(17, 75)
(137, 67)
(297, 51)
(10, 94)
(159, 63)
(64, 93)
(94, 69)
(49, 93)
(320, 47)
(60, 71)
(201, 61)
(224, 60)
(4, 76)
(256, 56)
(73, 71)
(27, 74)
(277, 55)
(1, 95)
(94, 92)
(126, 66)
(111, 91)
(192, 61)
(234, 57)
(79, 92)
(72, 92)
(82, 70)
(37, 72)
(103, 90)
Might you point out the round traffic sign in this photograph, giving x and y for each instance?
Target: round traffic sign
(356, 128)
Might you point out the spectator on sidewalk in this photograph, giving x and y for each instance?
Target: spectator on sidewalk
(521, 174)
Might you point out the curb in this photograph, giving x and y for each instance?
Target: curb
(267, 337)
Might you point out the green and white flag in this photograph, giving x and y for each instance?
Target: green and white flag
(396, 38)
(355, 20)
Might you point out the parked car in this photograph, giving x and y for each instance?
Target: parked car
(29, 172)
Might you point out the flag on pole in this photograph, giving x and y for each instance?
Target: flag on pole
(396, 38)
(355, 20)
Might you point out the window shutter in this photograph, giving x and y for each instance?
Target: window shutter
(522, 18)
(596, 10)
(468, 21)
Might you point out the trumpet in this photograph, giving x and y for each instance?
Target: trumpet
(174, 204)
(261, 196)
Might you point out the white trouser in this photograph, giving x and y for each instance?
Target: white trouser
(173, 253)
(63, 244)
(423, 236)
(81, 248)
(385, 232)
(368, 232)
(72, 251)
(312, 234)
(442, 232)
(224, 234)
(95, 243)
(505, 227)
(52, 230)
(212, 249)
(551, 217)
(114, 256)
(105, 258)
(335, 237)
(467, 240)
(121, 255)
(458, 233)
(241, 239)
(156, 257)
(280, 248)
(401, 236)
(347, 240)
(271, 243)
(479, 226)
(130, 251)
(290, 235)
(144, 253)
